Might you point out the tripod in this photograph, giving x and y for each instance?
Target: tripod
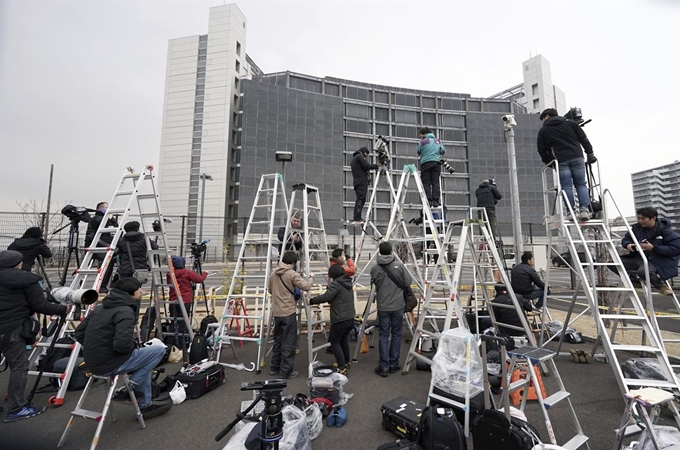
(73, 234)
(271, 428)
(198, 253)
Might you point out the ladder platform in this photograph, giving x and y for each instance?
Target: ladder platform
(649, 383)
(533, 353)
(575, 442)
(621, 317)
(555, 398)
(635, 348)
(94, 415)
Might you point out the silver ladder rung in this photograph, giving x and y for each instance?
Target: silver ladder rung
(621, 317)
(635, 348)
(649, 383)
(94, 415)
(555, 398)
(575, 442)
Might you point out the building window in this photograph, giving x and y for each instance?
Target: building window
(238, 48)
(526, 68)
(238, 67)
(536, 103)
(534, 89)
(236, 82)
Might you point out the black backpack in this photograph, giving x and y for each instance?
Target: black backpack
(439, 429)
(46, 364)
(79, 376)
(199, 349)
(207, 320)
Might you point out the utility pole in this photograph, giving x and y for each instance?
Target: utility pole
(203, 177)
(49, 202)
(509, 123)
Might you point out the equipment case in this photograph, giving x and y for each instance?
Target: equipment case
(401, 416)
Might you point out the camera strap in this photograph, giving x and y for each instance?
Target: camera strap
(132, 262)
(284, 285)
(391, 276)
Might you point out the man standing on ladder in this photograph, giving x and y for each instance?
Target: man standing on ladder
(389, 277)
(360, 167)
(487, 197)
(561, 139)
(282, 285)
(430, 151)
(295, 241)
(661, 246)
(104, 241)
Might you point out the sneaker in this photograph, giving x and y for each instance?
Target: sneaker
(382, 372)
(122, 395)
(584, 216)
(25, 412)
(665, 290)
(637, 284)
(293, 374)
(155, 410)
(344, 370)
(395, 369)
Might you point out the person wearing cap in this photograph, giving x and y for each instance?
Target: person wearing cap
(30, 245)
(20, 296)
(360, 167)
(184, 278)
(430, 152)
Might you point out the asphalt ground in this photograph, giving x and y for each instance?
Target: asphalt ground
(194, 423)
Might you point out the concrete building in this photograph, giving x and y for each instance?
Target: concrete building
(659, 188)
(224, 117)
(537, 91)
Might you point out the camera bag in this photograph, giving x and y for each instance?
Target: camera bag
(401, 416)
(200, 378)
(439, 428)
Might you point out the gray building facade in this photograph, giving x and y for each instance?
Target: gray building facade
(323, 121)
(659, 188)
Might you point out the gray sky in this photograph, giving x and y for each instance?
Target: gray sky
(81, 82)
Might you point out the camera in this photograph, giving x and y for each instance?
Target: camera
(77, 213)
(576, 115)
(382, 150)
(492, 181)
(509, 121)
(267, 385)
(67, 296)
(417, 220)
(156, 225)
(197, 250)
(445, 164)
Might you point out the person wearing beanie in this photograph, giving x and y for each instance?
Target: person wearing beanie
(360, 167)
(184, 278)
(505, 313)
(20, 296)
(30, 245)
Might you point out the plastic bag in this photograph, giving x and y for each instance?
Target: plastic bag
(238, 440)
(450, 371)
(314, 420)
(666, 437)
(176, 355)
(155, 342)
(339, 381)
(178, 394)
(295, 434)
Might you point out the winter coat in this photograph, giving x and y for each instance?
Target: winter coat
(561, 139)
(93, 226)
(666, 244)
(430, 149)
(509, 316)
(290, 246)
(360, 167)
(30, 247)
(388, 296)
(487, 196)
(106, 333)
(137, 242)
(281, 282)
(350, 269)
(21, 296)
(184, 278)
(341, 298)
(523, 278)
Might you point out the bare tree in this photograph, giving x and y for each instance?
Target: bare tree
(33, 215)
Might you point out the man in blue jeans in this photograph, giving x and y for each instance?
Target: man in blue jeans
(109, 347)
(390, 300)
(561, 139)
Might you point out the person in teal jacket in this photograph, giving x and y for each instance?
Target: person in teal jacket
(430, 151)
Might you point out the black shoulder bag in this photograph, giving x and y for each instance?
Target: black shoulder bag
(141, 275)
(410, 299)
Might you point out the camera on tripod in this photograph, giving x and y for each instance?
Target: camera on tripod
(156, 225)
(576, 115)
(445, 164)
(197, 250)
(381, 148)
(492, 181)
(77, 213)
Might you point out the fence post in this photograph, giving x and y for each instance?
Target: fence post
(42, 221)
(181, 237)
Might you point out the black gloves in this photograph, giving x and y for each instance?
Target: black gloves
(592, 159)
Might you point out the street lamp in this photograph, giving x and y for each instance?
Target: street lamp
(508, 124)
(203, 177)
(283, 157)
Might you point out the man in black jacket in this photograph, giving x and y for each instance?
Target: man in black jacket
(109, 347)
(104, 241)
(132, 244)
(505, 313)
(360, 167)
(20, 296)
(524, 277)
(30, 245)
(561, 139)
(487, 197)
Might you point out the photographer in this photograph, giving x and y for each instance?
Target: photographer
(295, 241)
(30, 245)
(430, 151)
(360, 167)
(184, 279)
(487, 197)
(104, 241)
(561, 139)
(132, 250)
(20, 296)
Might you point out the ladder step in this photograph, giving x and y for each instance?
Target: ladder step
(95, 415)
(555, 398)
(87, 271)
(621, 317)
(518, 384)
(613, 289)
(575, 442)
(649, 383)
(113, 212)
(147, 197)
(635, 348)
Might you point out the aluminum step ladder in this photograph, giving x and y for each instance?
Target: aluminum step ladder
(256, 261)
(591, 234)
(637, 420)
(133, 193)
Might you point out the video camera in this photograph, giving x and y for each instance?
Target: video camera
(576, 115)
(381, 148)
(197, 250)
(444, 163)
(156, 225)
(77, 213)
(492, 181)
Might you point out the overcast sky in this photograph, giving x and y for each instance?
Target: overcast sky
(81, 82)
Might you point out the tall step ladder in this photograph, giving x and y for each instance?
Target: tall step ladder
(133, 189)
(478, 256)
(397, 233)
(256, 260)
(306, 202)
(630, 314)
